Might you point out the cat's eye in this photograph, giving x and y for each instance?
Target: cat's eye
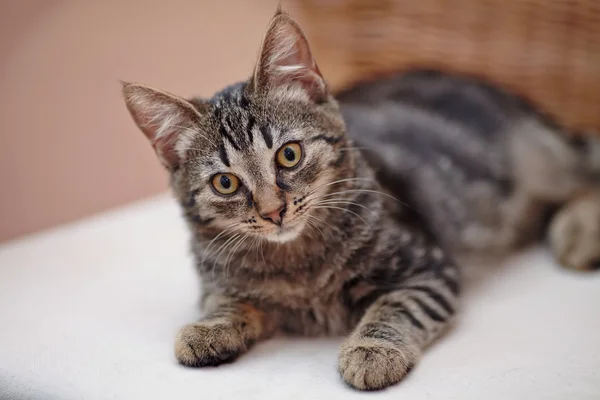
(225, 184)
(289, 155)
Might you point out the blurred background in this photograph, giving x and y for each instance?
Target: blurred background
(69, 149)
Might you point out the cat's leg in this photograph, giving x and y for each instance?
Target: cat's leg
(574, 232)
(226, 332)
(563, 169)
(396, 327)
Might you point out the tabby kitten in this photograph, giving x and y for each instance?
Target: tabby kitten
(315, 217)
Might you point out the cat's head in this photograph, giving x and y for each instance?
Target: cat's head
(255, 158)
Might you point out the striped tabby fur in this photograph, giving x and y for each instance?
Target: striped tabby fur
(396, 183)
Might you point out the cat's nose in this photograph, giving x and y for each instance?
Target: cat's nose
(275, 216)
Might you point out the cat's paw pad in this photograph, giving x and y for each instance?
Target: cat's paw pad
(368, 364)
(206, 344)
(575, 233)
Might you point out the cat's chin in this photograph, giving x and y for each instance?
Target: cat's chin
(284, 235)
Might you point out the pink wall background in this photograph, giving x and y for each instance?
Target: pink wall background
(68, 147)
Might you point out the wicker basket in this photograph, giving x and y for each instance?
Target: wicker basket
(546, 50)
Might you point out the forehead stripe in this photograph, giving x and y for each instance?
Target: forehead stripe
(244, 100)
(249, 128)
(266, 134)
(227, 136)
(223, 154)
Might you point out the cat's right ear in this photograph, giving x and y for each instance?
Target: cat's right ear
(167, 121)
(286, 62)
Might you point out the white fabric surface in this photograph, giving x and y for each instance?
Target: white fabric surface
(90, 311)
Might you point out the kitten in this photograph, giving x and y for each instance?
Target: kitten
(315, 217)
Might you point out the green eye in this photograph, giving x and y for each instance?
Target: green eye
(225, 183)
(289, 155)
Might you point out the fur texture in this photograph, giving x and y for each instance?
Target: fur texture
(394, 184)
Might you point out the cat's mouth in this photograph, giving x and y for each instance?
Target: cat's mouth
(285, 233)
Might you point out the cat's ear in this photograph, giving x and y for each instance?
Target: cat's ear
(286, 62)
(167, 121)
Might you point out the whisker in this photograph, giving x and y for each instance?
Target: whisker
(232, 253)
(302, 240)
(313, 225)
(206, 250)
(254, 239)
(357, 148)
(312, 232)
(336, 182)
(358, 191)
(367, 191)
(222, 248)
(262, 250)
(276, 248)
(323, 222)
(345, 210)
(348, 202)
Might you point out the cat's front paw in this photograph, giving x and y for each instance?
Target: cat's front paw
(208, 344)
(370, 364)
(575, 233)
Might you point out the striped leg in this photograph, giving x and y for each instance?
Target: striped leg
(396, 327)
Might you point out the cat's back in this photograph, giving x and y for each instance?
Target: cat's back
(458, 99)
(441, 143)
(424, 116)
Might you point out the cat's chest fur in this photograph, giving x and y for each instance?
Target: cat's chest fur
(309, 303)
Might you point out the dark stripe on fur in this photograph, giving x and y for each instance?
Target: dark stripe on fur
(375, 330)
(249, 200)
(326, 139)
(249, 128)
(431, 313)
(435, 296)
(226, 134)
(191, 201)
(244, 100)
(223, 154)
(451, 283)
(281, 184)
(198, 219)
(412, 319)
(266, 134)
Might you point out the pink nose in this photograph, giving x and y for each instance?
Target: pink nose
(275, 216)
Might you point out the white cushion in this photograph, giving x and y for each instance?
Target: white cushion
(90, 311)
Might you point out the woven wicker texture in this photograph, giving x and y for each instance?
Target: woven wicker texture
(546, 50)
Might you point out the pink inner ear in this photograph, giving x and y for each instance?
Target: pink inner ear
(287, 59)
(162, 136)
(167, 121)
(299, 55)
(165, 148)
(299, 67)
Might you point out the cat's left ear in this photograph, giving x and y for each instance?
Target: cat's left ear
(286, 62)
(168, 121)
